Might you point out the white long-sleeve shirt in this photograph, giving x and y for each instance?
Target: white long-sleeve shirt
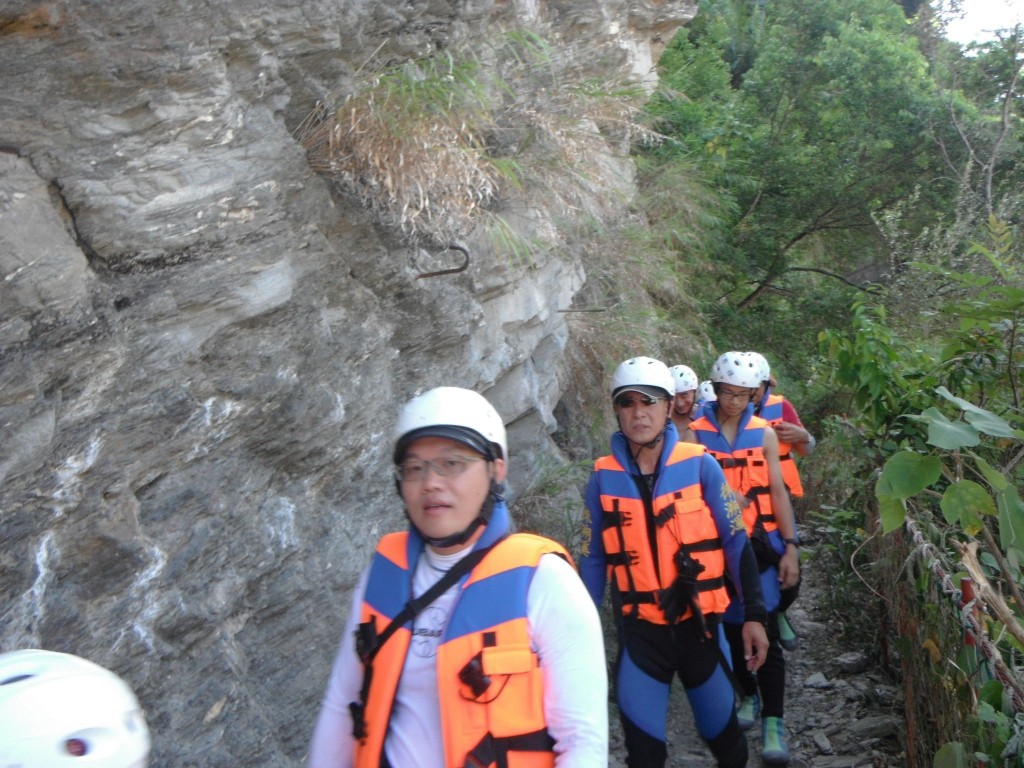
(566, 634)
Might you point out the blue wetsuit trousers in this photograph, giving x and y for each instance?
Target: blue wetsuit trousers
(650, 655)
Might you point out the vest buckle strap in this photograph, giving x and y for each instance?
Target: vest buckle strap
(494, 750)
(705, 545)
(730, 462)
(626, 558)
(614, 518)
(665, 515)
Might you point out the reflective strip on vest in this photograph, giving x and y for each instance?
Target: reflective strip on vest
(680, 517)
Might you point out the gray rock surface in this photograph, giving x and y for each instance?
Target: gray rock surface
(203, 344)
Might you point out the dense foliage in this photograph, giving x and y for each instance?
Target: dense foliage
(842, 186)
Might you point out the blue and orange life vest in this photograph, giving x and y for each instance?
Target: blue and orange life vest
(744, 463)
(681, 520)
(489, 681)
(771, 411)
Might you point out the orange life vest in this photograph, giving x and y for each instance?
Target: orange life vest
(681, 519)
(771, 411)
(488, 677)
(744, 464)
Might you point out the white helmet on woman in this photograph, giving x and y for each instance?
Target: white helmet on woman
(684, 377)
(453, 413)
(644, 375)
(736, 368)
(764, 370)
(56, 709)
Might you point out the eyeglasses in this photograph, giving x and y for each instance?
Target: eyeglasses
(625, 401)
(724, 394)
(416, 469)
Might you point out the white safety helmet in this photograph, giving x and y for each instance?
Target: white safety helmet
(684, 378)
(644, 375)
(706, 392)
(60, 710)
(736, 368)
(453, 413)
(764, 370)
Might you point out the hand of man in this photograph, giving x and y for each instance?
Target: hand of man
(789, 568)
(755, 644)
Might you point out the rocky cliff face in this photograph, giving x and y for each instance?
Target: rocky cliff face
(203, 344)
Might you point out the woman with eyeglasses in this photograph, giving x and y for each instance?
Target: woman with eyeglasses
(666, 527)
(466, 644)
(747, 448)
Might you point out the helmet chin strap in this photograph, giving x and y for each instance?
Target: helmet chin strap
(461, 537)
(652, 444)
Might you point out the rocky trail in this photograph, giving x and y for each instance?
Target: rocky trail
(841, 712)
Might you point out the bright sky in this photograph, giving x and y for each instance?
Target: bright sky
(984, 16)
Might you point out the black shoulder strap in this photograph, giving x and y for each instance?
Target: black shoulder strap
(438, 588)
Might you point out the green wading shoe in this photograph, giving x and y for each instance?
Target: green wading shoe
(749, 709)
(788, 638)
(774, 749)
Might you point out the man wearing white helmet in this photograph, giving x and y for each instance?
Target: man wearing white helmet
(665, 526)
(465, 644)
(748, 450)
(794, 438)
(62, 710)
(684, 403)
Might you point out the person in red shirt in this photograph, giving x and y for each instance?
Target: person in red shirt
(794, 440)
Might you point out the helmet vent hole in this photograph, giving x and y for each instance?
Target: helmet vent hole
(76, 747)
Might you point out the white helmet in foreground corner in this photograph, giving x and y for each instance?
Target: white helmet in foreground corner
(453, 413)
(764, 370)
(684, 377)
(61, 710)
(737, 368)
(644, 375)
(706, 392)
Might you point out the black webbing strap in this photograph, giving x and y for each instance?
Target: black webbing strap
(705, 545)
(494, 750)
(730, 462)
(438, 588)
(630, 596)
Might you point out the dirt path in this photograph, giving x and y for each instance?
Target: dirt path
(840, 712)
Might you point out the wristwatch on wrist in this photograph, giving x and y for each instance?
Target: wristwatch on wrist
(794, 541)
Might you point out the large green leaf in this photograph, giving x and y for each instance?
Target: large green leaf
(950, 435)
(892, 513)
(992, 476)
(1011, 518)
(907, 473)
(982, 420)
(964, 502)
(991, 424)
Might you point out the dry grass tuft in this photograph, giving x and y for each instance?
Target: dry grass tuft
(431, 145)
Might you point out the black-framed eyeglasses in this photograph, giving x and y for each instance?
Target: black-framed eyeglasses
(626, 400)
(416, 469)
(724, 394)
